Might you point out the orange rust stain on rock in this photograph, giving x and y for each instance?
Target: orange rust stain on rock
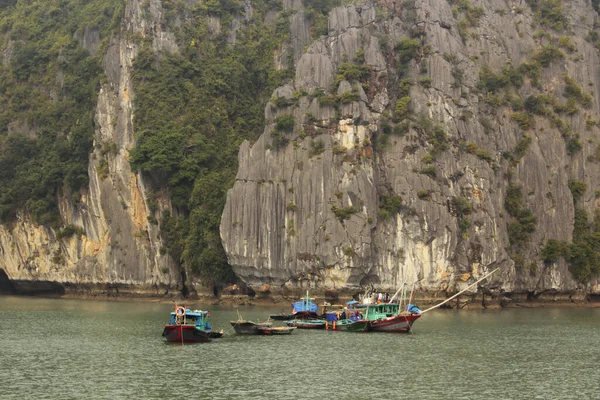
(95, 248)
(140, 217)
(478, 194)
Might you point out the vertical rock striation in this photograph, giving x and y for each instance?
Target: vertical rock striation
(119, 252)
(346, 203)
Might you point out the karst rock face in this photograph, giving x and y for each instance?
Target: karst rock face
(351, 198)
(420, 141)
(119, 252)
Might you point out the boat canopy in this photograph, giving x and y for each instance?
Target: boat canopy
(196, 313)
(305, 306)
(198, 318)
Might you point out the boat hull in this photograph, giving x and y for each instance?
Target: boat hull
(279, 330)
(306, 324)
(342, 325)
(281, 317)
(397, 323)
(357, 326)
(216, 335)
(297, 315)
(248, 327)
(185, 334)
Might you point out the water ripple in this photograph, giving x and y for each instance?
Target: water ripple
(73, 349)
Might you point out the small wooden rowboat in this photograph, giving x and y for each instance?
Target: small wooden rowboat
(243, 327)
(276, 330)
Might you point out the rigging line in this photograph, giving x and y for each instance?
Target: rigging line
(396, 294)
(459, 293)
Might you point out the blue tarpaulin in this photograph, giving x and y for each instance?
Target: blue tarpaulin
(331, 316)
(411, 308)
(302, 306)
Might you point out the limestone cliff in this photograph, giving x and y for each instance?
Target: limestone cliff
(119, 252)
(423, 141)
(402, 172)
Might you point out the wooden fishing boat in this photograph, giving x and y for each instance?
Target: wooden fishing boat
(341, 324)
(378, 318)
(187, 326)
(243, 327)
(357, 326)
(276, 330)
(392, 317)
(344, 317)
(302, 309)
(388, 317)
(281, 317)
(307, 323)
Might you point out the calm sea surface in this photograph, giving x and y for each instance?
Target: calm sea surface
(88, 349)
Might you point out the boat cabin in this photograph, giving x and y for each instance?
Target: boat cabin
(198, 318)
(304, 305)
(351, 311)
(383, 310)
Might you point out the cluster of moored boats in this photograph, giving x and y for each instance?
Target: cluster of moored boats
(352, 317)
(187, 326)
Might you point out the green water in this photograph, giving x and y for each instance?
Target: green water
(87, 349)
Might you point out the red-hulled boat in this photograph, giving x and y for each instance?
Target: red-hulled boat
(400, 323)
(385, 317)
(187, 326)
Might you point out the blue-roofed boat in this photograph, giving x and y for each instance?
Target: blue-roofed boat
(305, 305)
(302, 309)
(187, 326)
(342, 319)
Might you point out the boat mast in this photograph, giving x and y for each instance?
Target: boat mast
(306, 305)
(395, 294)
(459, 293)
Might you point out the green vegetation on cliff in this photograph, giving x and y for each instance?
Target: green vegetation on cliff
(193, 110)
(316, 12)
(549, 13)
(48, 89)
(583, 253)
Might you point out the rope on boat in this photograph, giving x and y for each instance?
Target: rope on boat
(396, 294)
(461, 292)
